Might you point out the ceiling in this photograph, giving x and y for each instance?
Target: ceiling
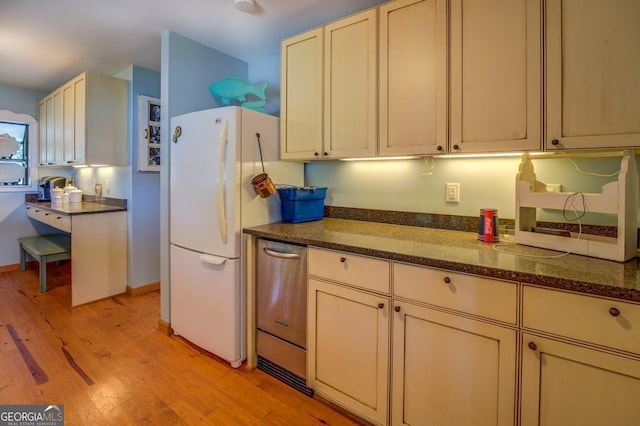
(44, 43)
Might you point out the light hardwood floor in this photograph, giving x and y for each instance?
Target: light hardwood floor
(108, 364)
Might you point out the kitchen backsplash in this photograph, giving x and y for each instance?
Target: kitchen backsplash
(415, 186)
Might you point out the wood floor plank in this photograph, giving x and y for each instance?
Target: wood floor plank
(108, 364)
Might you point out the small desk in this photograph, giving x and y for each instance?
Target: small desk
(45, 249)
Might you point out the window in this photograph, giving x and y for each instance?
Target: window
(18, 140)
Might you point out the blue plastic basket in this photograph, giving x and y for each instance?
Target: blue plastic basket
(302, 204)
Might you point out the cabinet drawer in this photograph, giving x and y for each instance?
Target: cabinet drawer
(465, 293)
(605, 322)
(360, 271)
(56, 220)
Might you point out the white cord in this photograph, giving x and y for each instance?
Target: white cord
(590, 173)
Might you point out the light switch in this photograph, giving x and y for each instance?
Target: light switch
(452, 193)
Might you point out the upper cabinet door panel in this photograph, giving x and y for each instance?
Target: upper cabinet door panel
(496, 75)
(350, 86)
(593, 74)
(301, 96)
(413, 77)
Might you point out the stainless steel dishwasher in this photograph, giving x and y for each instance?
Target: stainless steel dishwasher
(281, 285)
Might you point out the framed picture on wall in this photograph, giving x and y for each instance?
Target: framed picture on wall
(148, 134)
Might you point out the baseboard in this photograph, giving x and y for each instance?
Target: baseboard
(10, 268)
(164, 327)
(148, 288)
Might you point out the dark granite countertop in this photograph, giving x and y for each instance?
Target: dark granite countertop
(462, 252)
(89, 205)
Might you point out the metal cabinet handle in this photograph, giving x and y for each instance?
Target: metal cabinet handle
(533, 346)
(555, 142)
(439, 148)
(456, 146)
(447, 280)
(343, 259)
(397, 308)
(280, 255)
(614, 312)
(380, 305)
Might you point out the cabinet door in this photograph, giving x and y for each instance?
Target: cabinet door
(78, 155)
(301, 96)
(593, 74)
(69, 124)
(450, 370)
(50, 154)
(348, 348)
(43, 132)
(413, 77)
(563, 384)
(57, 147)
(496, 86)
(350, 86)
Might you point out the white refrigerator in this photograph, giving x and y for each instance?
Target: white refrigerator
(214, 154)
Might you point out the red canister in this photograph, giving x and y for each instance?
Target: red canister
(488, 226)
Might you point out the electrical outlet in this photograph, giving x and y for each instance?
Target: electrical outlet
(554, 187)
(452, 193)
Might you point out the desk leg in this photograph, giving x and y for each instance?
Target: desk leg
(43, 274)
(23, 260)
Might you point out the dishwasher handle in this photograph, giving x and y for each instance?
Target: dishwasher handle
(280, 255)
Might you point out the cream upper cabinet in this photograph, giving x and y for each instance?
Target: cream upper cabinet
(589, 373)
(329, 90)
(350, 86)
(496, 76)
(301, 96)
(46, 130)
(413, 78)
(593, 74)
(88, 124)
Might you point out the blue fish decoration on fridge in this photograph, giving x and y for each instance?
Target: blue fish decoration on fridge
(239, 90)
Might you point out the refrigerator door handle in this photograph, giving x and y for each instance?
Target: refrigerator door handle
(222, 214)
(214, 260)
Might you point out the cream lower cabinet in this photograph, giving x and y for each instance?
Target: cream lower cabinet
(98, 251)
(586, 370)
(567, 384)
(348, 332)
(450, 368)
(348, 354)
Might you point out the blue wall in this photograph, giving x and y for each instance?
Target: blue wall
(144, 222)
(188, 68)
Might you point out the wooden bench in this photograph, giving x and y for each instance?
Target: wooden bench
(44, 249)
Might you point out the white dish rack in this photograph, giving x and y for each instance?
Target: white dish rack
(618, 197)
